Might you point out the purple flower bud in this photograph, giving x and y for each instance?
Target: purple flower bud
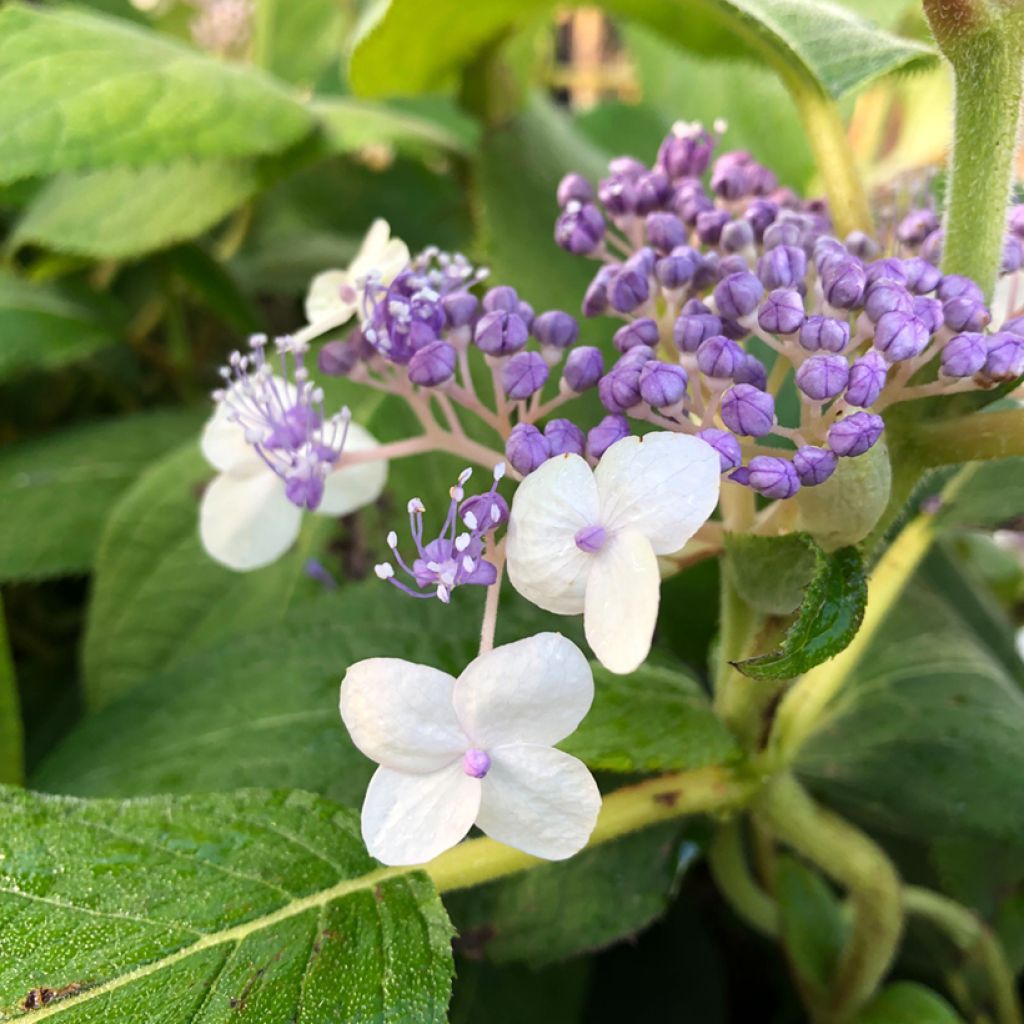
(617, 194)
(653, 191)
(867, 378)
(748, 411)
(524, 374)
(525, 313)
(637, 354)
(460, 308)
(929, 311)
(887, 296)
(595, 301)
(828, 248)
(916, 226)
(556, 329)
(856, 434)
(526, 448)
(890, 269)
(337, 358)
(643, 260)
(501, 297)
(729, 175)
(814, 465)
(619, 389)
(1013, 255)
(1005, 359)
(861, 245)
(665, 231)
(782, 312)
(824, 333)
(773, 477)
(931, 250)
(637, 332)
(677, 268)
(564, 437)
(965, 314)
(628, 289)
(733, 263)
(662, 384)
(1015, 220)
(737, 235)
(738, 295)
(956, 286)
(706, 273)
(580, 228)
(782, 267)
(843, 283)
(964, 355)
(710, 224)
(583, 368)
(922, 277)
(1014, 326)
(488, 508)
(685, 153)
(574, 186)
(900, 336)
(728, 448)
(691, 307)
(823, 376)
(432, 365)
(690, 330)
(781, 233)
(752, 371)
(500, 333)
(717, 356)
(689, 205)
(611, 429)
(626, 167)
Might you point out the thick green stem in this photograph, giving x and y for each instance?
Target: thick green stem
(981, 435)
(12, 767)
(729, 867)
(860, 866)
(974, 937)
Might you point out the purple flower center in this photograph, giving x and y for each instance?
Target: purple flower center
(591, 539)
(476, 763)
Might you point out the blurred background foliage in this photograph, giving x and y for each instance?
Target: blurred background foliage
(137, 257)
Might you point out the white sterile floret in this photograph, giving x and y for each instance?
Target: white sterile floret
(246, 520)
(582, 540)
(474, 750)
(333, 295)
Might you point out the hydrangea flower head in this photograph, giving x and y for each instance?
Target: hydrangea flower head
(583, 540)
(474, 750)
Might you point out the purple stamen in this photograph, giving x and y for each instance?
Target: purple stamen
(476, 763)
(591, 539)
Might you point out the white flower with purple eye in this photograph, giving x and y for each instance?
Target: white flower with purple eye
(277, 454)
(582, 540)
(333, 296)
(474, 750)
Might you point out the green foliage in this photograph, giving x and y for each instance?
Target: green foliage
(653, 720)
(261, 903)
(57, 491)
(908, 1003)
(12, 770)
(299, 40)
(772, 573)
(512, 993)
(827, 621)
(987, 494)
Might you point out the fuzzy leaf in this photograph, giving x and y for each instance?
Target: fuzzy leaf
(56, 491)
(81, 90)
(260, 905)
(827, 621)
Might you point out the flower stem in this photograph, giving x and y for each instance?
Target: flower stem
(732, 875)
(496, 556)
(981, 435)
(858, 864)
(12, 768)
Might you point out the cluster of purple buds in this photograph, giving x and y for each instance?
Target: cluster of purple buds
(455, 557)
(282, 416)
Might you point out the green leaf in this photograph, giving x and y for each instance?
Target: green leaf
(827, 621)
(81, 90)
(259, 905)
(44, 326)
(908, 1003)
(811, 923)
(927, 737)
(653, 720)
(403, 47)
(12, 739)
(298, 40)
(122, 212)
(511, 993)
(772, 573)
(158, 596)
(56, 491)
(986, 495)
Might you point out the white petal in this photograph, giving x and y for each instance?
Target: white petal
(351, 487)
(663, 484)
(223, 443)
(539, 800)
(400, 714)
(410, 819)
(245, 520)
(324, 301)
(379, 253)
(622, 602)
(549, 507)
(535, 690)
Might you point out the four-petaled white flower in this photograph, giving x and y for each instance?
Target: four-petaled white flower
(333, 295)
(582, 540)
(246, 519)
(477, 749)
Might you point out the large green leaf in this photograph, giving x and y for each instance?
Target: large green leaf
(987, 494)
(908, 1003)
(56, 491)
(81, 90)
(298, 40)
(43, 326)
(261, 906)
(512, 993)
(158, 595)
(404, 47)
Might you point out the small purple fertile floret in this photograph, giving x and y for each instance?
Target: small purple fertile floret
(738, 295)
(725, 444)
(556, 329)
(591, 539)
(746, 410)
(782, 312)
(526, 448)
(822, 377)
(773, 477)
(524, 375)
(500, 333)
(580, 228)
(900, 336)
(611, 429)
(432, 365)
(867, 378)
(856, 434)
(564, 437)
(964, 355)
(814, 465)
(583, 368)
(717, 356)
(662, 384)
(824, 333)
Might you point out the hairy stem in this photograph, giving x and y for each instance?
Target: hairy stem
(729, 867)
(859, 865)
(981, 435)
